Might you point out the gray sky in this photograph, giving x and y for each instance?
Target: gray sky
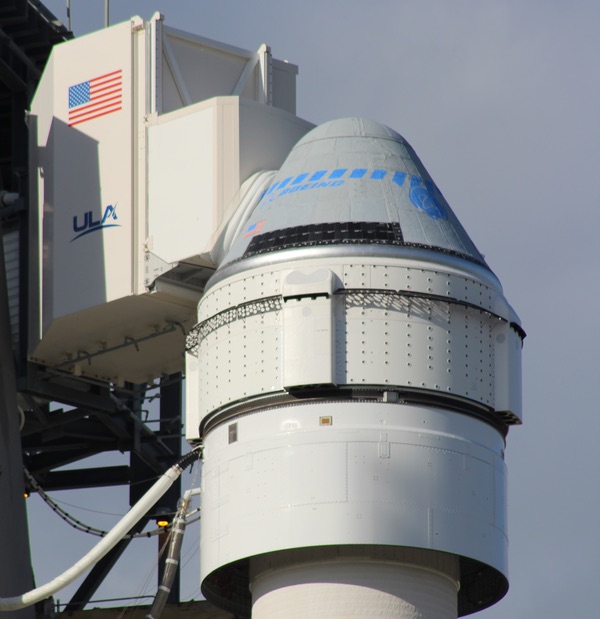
(501, 101)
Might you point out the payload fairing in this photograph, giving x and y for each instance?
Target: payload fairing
(357, 369)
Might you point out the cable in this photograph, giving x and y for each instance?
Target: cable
(173, 557)
(138, 511)
(64, 504)
(145, 586)
(191, 552)
(172, 560)
(72, 521)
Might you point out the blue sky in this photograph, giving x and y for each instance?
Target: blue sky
(500, 100)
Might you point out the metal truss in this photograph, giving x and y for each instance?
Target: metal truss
(66, 419)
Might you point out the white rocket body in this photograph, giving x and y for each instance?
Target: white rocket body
(354, 372)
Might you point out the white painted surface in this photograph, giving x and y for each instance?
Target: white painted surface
(446, 340)
(376, 474)
(354, 590)
(182, 167)
(308, 328)
(197, 159)
(133, 194)
(86, 169)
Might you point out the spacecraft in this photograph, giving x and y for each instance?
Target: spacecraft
(356, 367)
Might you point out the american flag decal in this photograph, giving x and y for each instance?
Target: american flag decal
(255, 228)
(96, 97)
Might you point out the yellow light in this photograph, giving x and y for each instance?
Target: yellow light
(26, 495)
(162, 523)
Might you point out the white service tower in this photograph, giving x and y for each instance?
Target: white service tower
(355, 366)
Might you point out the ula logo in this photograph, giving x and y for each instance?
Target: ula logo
(87, 223)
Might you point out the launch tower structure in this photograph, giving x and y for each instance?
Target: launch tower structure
(352, 365)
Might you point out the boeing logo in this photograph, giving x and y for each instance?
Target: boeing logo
(422, 193)
(88, 224)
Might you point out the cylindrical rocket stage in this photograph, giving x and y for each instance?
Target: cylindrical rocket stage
(349, 589)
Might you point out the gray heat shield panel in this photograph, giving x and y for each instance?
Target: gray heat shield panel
(353, 181)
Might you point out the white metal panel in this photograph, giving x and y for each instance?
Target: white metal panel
(240, 359)
(192, 397)
(145, 331)
(207, 68)
(308, 328)
(198, 158)
(308, 283)
(284, 85)
(85, 117)
(507, 369)
(438, 487)
(182, 168)
(196, 68)
(267, 134)
(88, 207)
(419, 344)
(260, 284)
(308, 343)
(469, 283)
(127, 193)
(368, 332)
(414, 276)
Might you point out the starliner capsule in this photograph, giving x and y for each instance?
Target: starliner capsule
(357, 368)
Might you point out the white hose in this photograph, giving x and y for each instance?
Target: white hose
(138, 511)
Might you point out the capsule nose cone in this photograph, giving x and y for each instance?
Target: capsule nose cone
(353, 181)
(350, 127)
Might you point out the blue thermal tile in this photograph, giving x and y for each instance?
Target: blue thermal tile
(399, 178)
(299, 178)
